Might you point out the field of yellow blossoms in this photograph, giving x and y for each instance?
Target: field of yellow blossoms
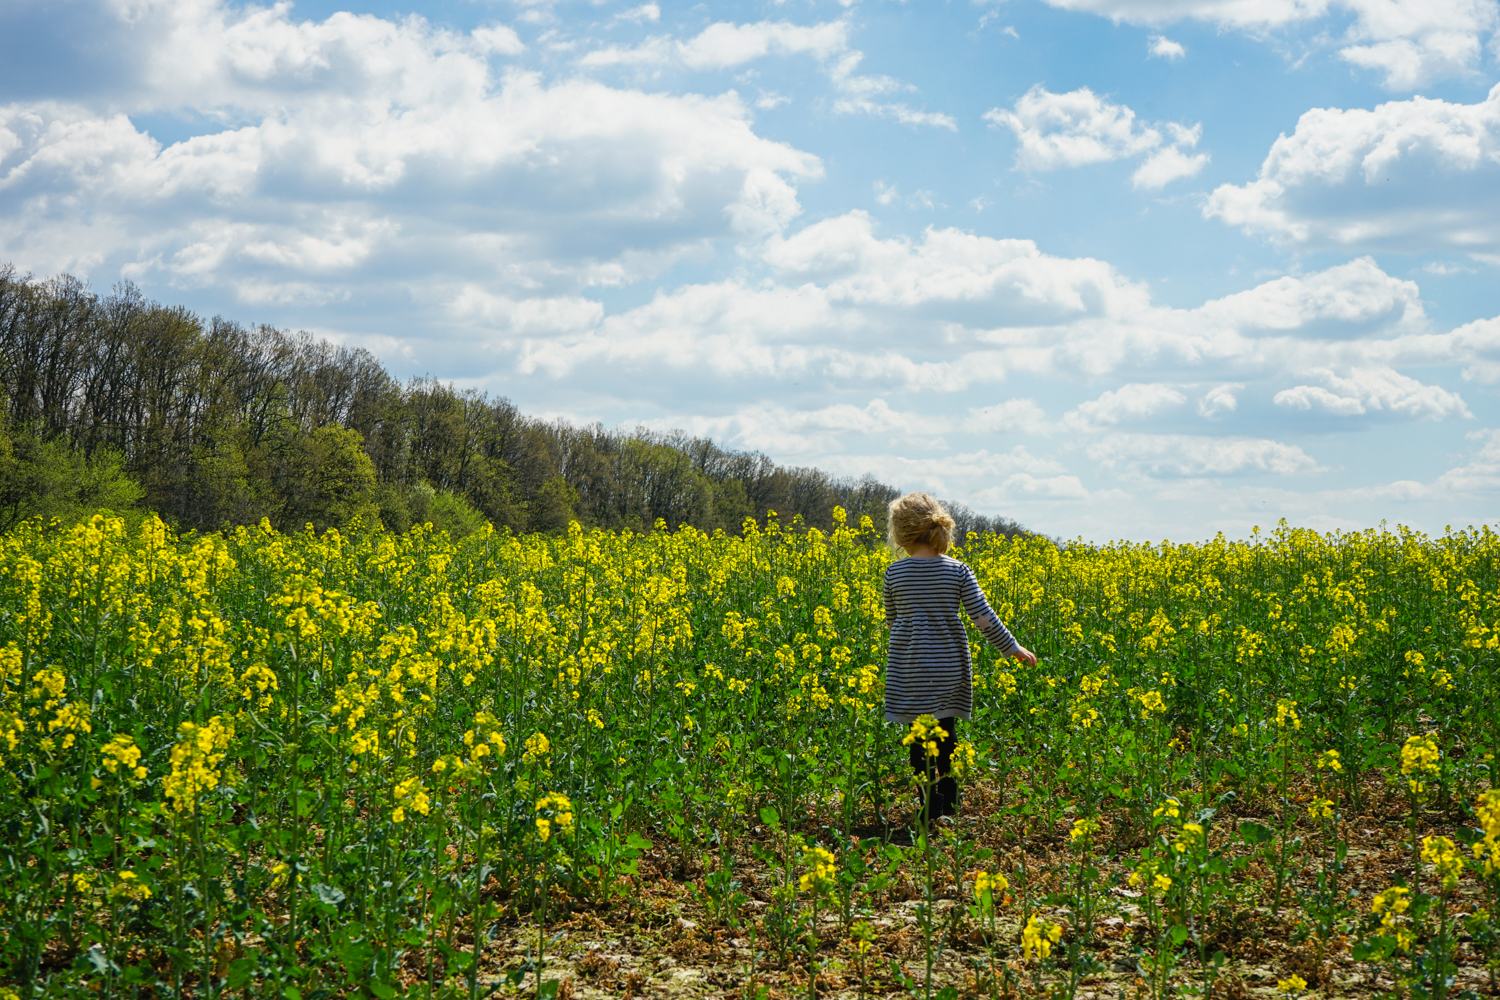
(365, 764)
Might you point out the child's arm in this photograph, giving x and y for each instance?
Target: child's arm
(977, 607)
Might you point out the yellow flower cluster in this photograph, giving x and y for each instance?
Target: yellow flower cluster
(1083, 829)
(1391, 906)
(1320, 808)
(559, 810)
(1487, 849)
(821, 873)
(122, 757)
(410, 792)
(1447, 863)
(195, 762)
(926, 732)
(1419, 758)
(989, 883)
(538, 748)
(1038, 937)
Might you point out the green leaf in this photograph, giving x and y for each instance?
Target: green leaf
(1256, 833)
(1178, 935)
(769, 816)
(383, 991)
(330, 894)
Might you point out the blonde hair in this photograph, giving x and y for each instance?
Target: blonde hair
(917, 518)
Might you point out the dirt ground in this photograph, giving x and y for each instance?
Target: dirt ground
(659, 939)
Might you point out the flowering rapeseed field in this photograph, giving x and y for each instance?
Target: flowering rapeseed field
(370, 764)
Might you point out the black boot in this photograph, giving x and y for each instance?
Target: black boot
(945, 797)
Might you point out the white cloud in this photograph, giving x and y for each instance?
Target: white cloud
(1055, 131)
(1163, 47)
(819, 431)
(1012, 415)
(1411, 42)
(639, 15)
(1366, 390)
(1352, 299)
(1409, 175)
(601, 186)
(1194, 456)
(1219, 400)
(1165, 166)
(1134, 401)
(1445, 268)
(724, 45)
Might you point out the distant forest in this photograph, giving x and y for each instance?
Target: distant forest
(119, 402)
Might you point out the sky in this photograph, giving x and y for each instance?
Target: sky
(1116, 269)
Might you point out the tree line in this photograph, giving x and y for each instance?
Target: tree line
(120, 402)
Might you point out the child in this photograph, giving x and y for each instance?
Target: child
(928, 671)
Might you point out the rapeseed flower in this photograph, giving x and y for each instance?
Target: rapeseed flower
(1038, 937)
(560, 810)
(1445, 859)
(1419, 757)
(821, 873)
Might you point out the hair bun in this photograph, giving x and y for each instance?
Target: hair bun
(919, 519)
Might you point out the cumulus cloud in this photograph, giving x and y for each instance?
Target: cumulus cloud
(1131, 402)
(1193, 456)
(1163, 47)
(1056, 131)
(1374, 390)
(1013, 415)
(366, 148)
(1409, 175)
(1410, 42)
(725, 45)
(1219, 400)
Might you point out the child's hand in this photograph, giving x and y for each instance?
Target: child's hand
(1025, 655)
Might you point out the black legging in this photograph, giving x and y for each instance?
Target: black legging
(936, 769)
(938, 766)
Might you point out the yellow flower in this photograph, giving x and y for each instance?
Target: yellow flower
(1420, 755)
(927, 732)
(821, 873)
(538, 747)
(1083, 828)
(195, 763)
(1171, 809)
(989, 882)
(1286, 714)
(1320, 808)
(1330, 760)
(561, 809)
(1162, 882)
(1038, 937)
(1443, 855)
(1291, 984)
(1393, 900)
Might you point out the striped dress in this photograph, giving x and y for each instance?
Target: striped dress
(928, 671)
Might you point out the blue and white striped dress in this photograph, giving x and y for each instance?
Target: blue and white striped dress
(928, 670)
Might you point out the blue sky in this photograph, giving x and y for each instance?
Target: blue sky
(1115, 268)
